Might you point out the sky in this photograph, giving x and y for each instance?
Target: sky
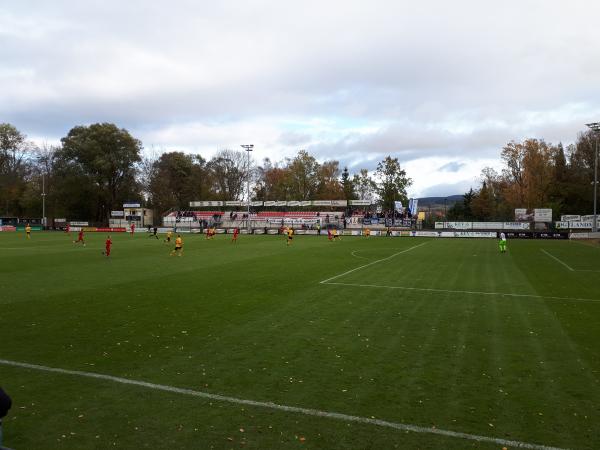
(440, 85)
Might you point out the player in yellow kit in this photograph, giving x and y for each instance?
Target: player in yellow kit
(169, 235)
(210, 233)
(335, 234)
(178, 246)
(290, 235)
(367, 232)
(28, 231)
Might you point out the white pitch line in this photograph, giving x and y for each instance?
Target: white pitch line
(356, 256)
(371, 263)
(290, 409)
(558, 260)
(450, 291)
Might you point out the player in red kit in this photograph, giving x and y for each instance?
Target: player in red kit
(132, 228)
(68, 229)
(329, 234)
(80, 238)
(236, 231)
(107, 244)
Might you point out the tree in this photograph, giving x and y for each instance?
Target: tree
(483, 204)
(328, 183)
(392, 182)
(272, 182)
(103, 158)
(229, 171)
(176, 180)
(347, 185)
(364, 185)
(529, 174)
(462, 210)
(303, 176)
(40, 178)
(15, 165)
(580, 175)
(146, 172)
(558, 186)
(513, 156)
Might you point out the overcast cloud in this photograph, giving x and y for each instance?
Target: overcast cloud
(441, 85)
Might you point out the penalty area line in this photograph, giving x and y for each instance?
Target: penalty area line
(450, 291)
(289, 409)
(371, 263)
(558, 260)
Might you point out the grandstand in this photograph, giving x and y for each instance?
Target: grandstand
(256, 220)
(323, 214)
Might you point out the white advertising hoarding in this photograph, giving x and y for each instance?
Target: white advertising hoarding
(570, 218)
(542, 215)
(424, 233)
(330, 203)
(487, 225)
(584, 225)
(468, 234)
(359, 202)
(199, 204)
(459, 225)
(516, 226)
(521, 215)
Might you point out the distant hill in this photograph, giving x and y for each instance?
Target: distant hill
(431, 201)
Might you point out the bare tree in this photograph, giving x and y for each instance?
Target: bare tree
(229, 171)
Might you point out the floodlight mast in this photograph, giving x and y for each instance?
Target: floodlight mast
(595, 127)
(248, 148)
(43, 201)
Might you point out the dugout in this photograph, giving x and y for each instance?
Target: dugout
(132, 213)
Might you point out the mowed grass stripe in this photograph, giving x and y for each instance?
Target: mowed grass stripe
(371, 263)
(477, 293)
(284, 408)
(487, 269)
(262, 327)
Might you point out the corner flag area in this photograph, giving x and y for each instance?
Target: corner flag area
(408, 343)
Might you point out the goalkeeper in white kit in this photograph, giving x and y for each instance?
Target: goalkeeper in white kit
(502, 243)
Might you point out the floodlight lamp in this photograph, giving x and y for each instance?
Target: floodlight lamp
(594, 126)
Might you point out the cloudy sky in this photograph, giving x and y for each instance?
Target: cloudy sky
(442, 85)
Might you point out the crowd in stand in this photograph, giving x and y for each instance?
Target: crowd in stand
(181, 214)
(387, 214)
(334, 218)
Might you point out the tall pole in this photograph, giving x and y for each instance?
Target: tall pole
(595, 127)
(248, 148)
(43, 201)
(595, 224)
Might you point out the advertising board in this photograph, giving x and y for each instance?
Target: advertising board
(542, 215)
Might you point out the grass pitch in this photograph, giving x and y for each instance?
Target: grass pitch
(450, 335)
